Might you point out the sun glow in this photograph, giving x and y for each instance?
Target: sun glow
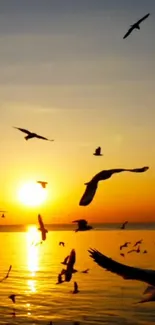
(33, 237)
(32, 194)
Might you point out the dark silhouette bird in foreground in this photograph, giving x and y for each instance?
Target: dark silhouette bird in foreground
(85, 271)
(127, 272)
(42, 227)
(103, 175)
(65, 260)
(138, 243)
(75, 288)
(59, 279)
(82, 225)
(70, 266)
(125, 245)
(97, 152)
(31, 135)
(124, 225)
(61, 243)
(7, 275)
(135, 26)
(42, 183)
(13, 298)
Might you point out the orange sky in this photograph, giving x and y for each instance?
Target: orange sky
(73, 78)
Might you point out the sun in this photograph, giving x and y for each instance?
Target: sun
(32, 194)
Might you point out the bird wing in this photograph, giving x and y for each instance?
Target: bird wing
(72, 259)
(40, 221)
(127, 272)
(89, 193)
(140, 20)
(22, 130)
(43, 138)
(128, 32)
(75, 286)
(6, 276)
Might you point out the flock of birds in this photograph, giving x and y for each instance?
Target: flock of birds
(127, 272)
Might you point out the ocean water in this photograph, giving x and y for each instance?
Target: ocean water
(104, 298)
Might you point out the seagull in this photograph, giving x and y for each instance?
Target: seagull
(124, 224)
(59, 279)
(61, 243)
(43, 184)
(122, 254)
(42, 228)
(7, 275)
(134, 250)
(127, 272)
(75, 288)
(31, 135)
(65, 260)
(85, 271)
(145, 251)
(13, 298)
(82, 225)
(70, 266)
(135, 26)
(138, 243)
(97, 152)
(125, 245)
(104, 174)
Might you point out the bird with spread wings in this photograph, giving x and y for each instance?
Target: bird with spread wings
(31, 135)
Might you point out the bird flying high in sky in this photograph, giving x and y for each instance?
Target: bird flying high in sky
(97, 152)
(104, 174)
(31, 135)
(135, 26)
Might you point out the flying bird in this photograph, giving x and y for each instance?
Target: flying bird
(42, 183)
(135, 26)
(138, 243)
(65, 260)
(7, 275)
(42, 227)
(61, 243)
(103, 175)
(75, 288)
(127, 272)
(85, 271)
(97, 152)
(134, 250)
(13, 298)
(82, 225)
(122, 254)
(125, 245)
(124, 225)
(145, 251)
(31, 135)
(70, 266)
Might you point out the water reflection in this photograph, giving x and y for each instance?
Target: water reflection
(33, 237)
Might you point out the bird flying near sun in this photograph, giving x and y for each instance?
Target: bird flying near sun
(42, 183)
(31, 135)
(135, 26)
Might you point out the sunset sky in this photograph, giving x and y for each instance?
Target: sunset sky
(67, 74)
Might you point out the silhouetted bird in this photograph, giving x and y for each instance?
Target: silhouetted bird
(124, 224)
(122, 254)
(31, 135)
(13, 298)
(125, 245)
(97, 152)
(65, 260)
(127, 272)
(132, 251)
(3, 215)
(85, 271)
(135, 26)
(59, 279)
(104, 174)
(75, 288)
(61, 243)
(145, 251)
(7, 275)
(42, 228)
(43, 184)
(70, 266)
(82, 225)
(138, 243)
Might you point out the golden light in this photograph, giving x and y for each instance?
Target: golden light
(33, 237)
(32, 194)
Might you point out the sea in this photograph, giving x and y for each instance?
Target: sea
(103, 298)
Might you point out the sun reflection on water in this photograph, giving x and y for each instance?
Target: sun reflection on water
(33, 237)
